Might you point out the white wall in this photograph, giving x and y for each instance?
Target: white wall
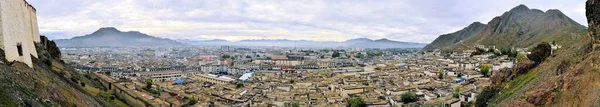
(17, 27)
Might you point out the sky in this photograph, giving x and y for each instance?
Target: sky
(320, 20)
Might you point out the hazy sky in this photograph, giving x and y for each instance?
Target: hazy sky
(322, 20)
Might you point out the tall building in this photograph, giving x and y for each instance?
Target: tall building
(18, 30)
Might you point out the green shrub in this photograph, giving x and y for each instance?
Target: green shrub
(485, 69)
(456, 93)
(483, 99)
(295, 104)
(239, 85)
(356, 102)
(409, 97)
(47, 62)
(540, 52)
(148, 84)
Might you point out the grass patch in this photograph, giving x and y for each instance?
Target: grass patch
(510, 88)
(5, 101)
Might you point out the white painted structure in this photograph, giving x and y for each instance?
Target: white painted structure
(18, 30)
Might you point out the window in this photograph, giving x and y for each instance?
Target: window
(20, 49)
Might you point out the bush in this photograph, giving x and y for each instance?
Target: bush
(485, 69)
(192, 101)
(47, 62)
(112, 97)
(409, 97)
(540, 52)
(456, 93)
(356, 102)
(295, 104)
(74, 79)
(239, 85)
(521, 56)
(484, 97)
(148, 84)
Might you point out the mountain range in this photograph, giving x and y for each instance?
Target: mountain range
(352, 43)
(111, 37)
(518, 27)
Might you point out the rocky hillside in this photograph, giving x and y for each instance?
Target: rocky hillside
(447, 41)
(570, 77)
(48, 83)
(111, 37)
(519, 27)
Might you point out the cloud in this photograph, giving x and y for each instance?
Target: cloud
(321, 20)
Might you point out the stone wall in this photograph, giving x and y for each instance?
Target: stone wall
(123, 93)
(18, 25)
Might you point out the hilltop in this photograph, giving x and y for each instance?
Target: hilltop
(112, 37)
(570, 77)
(518, 27)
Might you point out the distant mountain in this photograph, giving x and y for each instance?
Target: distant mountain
(385, 43)
(204, 42)
(519, 27)
(448, 40)
(352, 43)
(111, 37)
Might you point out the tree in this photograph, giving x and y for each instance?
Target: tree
(456, 93)
(191, 101)
(540, 52)
(295, 104)
(239, 85)
(225, 56)
(513, 53)
(359, 55)
(479, 51)
(504, 50)
(440, 75)
(148, 84)
(335, 54)
(356, 102)
(521, 56)
(409, 97)
(484, 69)
(485, 96)
(490, 50)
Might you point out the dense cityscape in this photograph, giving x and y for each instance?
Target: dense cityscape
(324, 53)
(272, 76)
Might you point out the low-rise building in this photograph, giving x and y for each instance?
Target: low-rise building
(161, 75)
(214, 79)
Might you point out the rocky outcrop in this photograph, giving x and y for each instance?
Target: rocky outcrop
(47, 49)
(446, 40)
(2, 57)
(592, 13)
(520, 68)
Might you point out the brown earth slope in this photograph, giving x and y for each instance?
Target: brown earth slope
(48, 83)
(569, 78)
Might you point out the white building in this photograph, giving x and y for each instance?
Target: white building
(18, 30)
(161, 76)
